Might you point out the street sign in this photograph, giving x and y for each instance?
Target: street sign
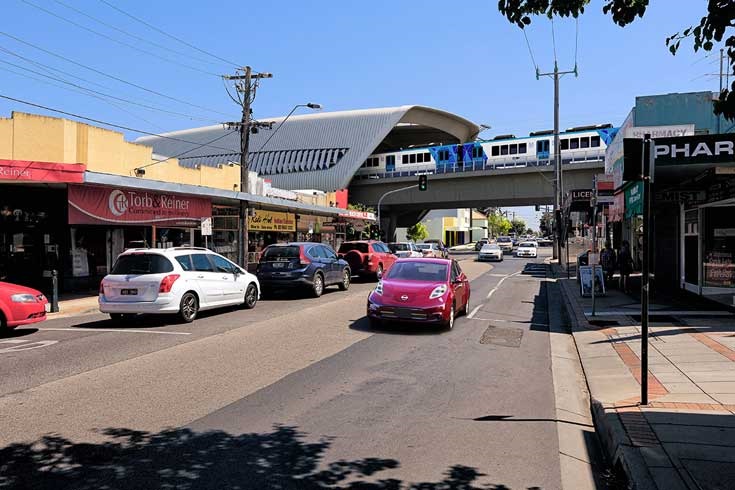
(206, 226)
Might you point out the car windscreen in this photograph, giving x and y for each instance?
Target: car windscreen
(418, 271)
(142, 264)
(490, 247)
(395, 247)
(348, 247)
(423, 246)
(527, 244)
(281, 252)
(504, 239)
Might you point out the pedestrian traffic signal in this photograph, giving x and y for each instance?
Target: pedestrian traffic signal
(423, 182)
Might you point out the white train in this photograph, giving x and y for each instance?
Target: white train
(578, 144)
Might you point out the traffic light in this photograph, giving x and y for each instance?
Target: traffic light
(537, 207)
(423, 182)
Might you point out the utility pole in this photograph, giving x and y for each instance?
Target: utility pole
(722, 56)
(558, 182)
(246, 86)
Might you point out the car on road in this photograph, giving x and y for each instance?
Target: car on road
(545, 242)
(430, 250)
(302, 265)
(20, 305)
(440, 245)
(179, 280)
(505, 243)
(527, 249)
(367, 257)
(405, 249)
(490, 251)
(427, 291)
(480, 243)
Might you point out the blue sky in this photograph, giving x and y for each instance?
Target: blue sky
(463, 57)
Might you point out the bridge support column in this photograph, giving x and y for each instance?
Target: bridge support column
(389, 226)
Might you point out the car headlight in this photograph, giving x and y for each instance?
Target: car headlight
(23, 298)
(379, 288)
(438, 291)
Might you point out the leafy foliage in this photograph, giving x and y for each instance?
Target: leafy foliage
(360, 207)
(417, 232)
(497, 224)
(518, 226)
(712, 28)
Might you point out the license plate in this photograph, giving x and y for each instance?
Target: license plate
(128, 292)
(278, 265)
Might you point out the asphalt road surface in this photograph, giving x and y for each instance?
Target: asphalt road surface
(297, 393)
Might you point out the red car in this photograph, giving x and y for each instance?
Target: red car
(20, 305)
(367, 257)
(431, 291)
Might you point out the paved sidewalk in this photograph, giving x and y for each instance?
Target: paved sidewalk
(76, 306)
(685, 437)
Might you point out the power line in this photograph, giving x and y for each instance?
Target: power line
(167, 34)
(145, 106)
(530, 51)
(189, 150)
(99, 72)
(25, 75)
(134, 36)
(110, 38)
(105, 123)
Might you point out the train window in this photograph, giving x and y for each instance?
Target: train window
(564, 144)
(404, 159)
(495, 151)
(573, 143)
(522, 148)
(427, 157)
(595, 141)
(513, 149)
(412, 158)
(504, 150)
(584, 142)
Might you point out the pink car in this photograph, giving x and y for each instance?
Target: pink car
(20, 305)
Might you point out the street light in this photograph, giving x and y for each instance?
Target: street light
(310, 105)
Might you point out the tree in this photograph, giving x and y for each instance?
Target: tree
(417, 232)
(497, 224)
(720, 16)
(529, 232)
(518, 226)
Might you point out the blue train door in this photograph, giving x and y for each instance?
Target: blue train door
(542, 149)
(390, 163)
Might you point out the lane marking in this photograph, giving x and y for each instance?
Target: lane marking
(509, 321)
(474, 310)
(111, 330)
(12, 341)
(500, 283)
(32, 345)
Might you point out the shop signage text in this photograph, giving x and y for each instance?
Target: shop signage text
(101, 205)
(695, 149)
(272, 221)
(671, 131)
(351, 213)
(27, 171)
(681, 196)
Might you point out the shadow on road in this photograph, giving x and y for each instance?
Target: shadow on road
(397, 328)
(184, 459)
(10, 333)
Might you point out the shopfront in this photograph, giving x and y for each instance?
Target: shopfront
(104, 221)
(266, 228)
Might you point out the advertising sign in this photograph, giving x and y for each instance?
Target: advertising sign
(704, 148)
(585, 281)
(671, 131)
(272, 221)
(110, 205)
(351, 213)
(634, 200)
(27, 171)
(207, 226)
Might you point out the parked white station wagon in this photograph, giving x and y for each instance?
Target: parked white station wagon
(181, 280)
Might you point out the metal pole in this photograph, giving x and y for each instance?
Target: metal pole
(242, 249)
(646, 172)
(557, 163)
(389, 193)
(719, 118)
(594, 251)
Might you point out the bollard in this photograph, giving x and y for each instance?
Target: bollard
(54, 291)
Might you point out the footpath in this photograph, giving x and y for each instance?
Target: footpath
(685, 437)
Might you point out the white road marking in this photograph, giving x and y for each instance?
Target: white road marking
(112, 330)
(508, 321)
(492, 291)
(474, 310)
(12, 341)
(32, 345)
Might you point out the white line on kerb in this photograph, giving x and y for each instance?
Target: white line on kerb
(112, 330)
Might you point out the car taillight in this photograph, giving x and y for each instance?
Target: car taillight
(167, 283)
(303, 259)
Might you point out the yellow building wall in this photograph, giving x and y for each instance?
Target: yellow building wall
(47, 139)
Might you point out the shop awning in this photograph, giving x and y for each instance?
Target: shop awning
(253, 200)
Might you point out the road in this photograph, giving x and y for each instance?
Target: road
(297, 393)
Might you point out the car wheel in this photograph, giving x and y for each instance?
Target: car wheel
(450, 323)
(189, 307)
(3, 324)
(251, 296)
(317, 287)
(466, 306)
(379, 272)
(346, 278)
